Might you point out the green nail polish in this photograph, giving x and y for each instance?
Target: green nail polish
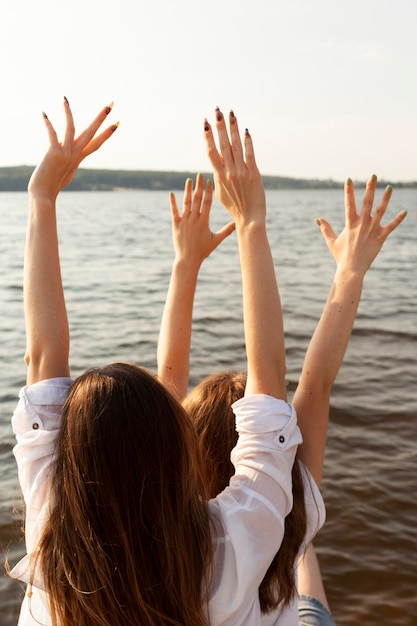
(374, 178)
(388, 189)
(404, 213)
(348, 182)
(318, 222)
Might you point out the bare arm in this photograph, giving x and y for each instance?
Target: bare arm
(193, 242)
(354, 251)
(47, 333)
(239, 188)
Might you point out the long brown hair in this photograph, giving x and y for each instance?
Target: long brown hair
(128, 541)
(209, 406)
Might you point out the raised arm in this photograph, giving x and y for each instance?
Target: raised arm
(354, 250)
(47, 333)
(239, 187)
(193, 242)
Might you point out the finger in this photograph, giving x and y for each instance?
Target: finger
(387, 230)
(215, 158)
(98, 141)
(53, 137)
(188, 195)
(69, 126)
(198, 194)
(235, 137)
(383, 205)
(175, 214)
(224, 141)
(249, 151)
(87, 135)
(369, 196)
(208, 198)
(350, 203)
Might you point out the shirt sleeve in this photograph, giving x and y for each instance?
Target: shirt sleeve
(248, 516)
(35, 423)
(315, 507)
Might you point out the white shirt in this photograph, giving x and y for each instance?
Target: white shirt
(248, 517)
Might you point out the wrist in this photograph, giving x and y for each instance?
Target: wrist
(42, 200)
(188, 268)
(250, 227)
(350, 274)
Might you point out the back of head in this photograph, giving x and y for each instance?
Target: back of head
(128, 540)
(209, 406)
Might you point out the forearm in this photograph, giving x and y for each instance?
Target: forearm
(321, 365)
(331, 337)
(46, 320)
(263, 325)
(174, 343)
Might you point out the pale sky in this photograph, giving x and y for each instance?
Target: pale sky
(327, 88)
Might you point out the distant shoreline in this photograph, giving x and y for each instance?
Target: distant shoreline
(16, 179)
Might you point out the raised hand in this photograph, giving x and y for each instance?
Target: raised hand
(62, 158)
(237, 180)
(192, 237)
(363, 236)
(354, 251)
(47, 330)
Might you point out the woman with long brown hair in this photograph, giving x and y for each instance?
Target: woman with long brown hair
(209, 403)
(118, 530)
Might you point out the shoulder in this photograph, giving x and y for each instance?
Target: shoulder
(262, 414)
(40, 405)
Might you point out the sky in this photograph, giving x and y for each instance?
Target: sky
(327, 88)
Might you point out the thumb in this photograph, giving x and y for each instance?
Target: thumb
(225, 232)
(326, 230)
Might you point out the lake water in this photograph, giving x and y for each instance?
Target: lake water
(116, 256)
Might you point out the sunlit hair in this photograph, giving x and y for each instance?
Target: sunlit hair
(128, 541)
(209, 406)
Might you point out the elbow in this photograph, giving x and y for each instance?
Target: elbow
(42, 365)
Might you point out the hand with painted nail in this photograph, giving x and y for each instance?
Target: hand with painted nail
(192, 237)
(62, 158)
(193, 242)
(363, 236)
(238, 183)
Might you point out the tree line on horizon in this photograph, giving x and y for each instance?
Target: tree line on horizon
(17, 178)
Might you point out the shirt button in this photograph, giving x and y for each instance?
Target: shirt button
(35, 426)
(281, 438)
